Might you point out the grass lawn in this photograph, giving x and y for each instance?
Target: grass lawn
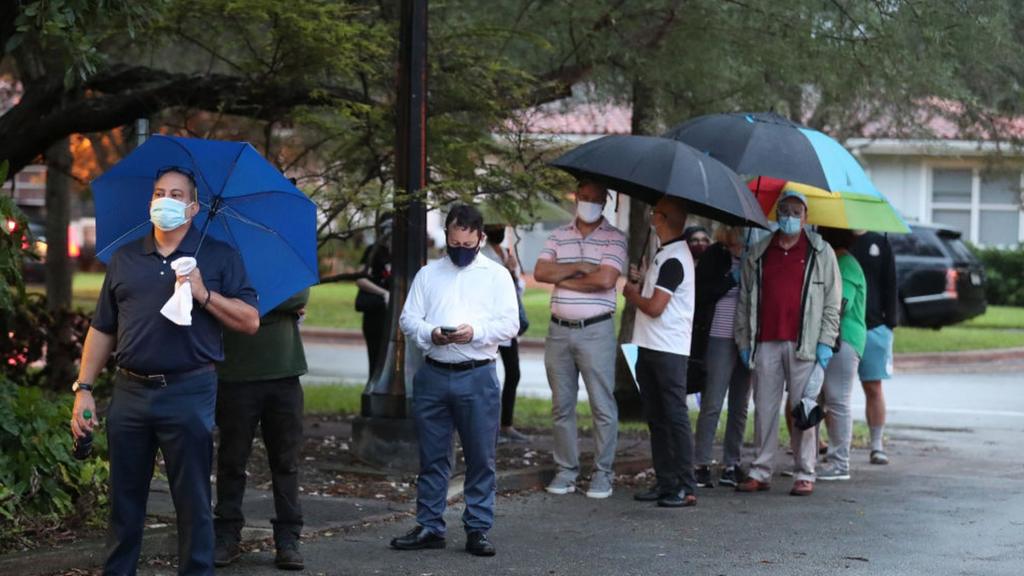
(333, 306)
(535, 414)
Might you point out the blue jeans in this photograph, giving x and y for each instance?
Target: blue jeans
(468, 401)
(177, 419)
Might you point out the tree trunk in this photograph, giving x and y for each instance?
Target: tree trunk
(59, 353)
(644, 122)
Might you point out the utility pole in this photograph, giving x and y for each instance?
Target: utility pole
(384, 434)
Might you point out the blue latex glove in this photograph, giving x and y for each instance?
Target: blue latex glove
(745, 356)
(824, 354)
(735, 273)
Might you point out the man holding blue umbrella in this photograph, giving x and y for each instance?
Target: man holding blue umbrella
(165, 387)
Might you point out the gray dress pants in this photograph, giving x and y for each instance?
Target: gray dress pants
(590, 352)
(776, 369)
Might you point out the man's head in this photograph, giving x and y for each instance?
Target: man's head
(838, 238)
(697, 239)
(669, 218)
(174, 201)
(590, 200)
(463, 229)
(791, 212)
(495, 233)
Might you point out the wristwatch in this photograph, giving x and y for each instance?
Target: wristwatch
(81, 386)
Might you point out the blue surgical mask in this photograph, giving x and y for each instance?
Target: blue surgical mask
(462, 256)
(789, 225)
(167, 213)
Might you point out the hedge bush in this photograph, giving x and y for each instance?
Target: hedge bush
(42, 486)
(1004, 269)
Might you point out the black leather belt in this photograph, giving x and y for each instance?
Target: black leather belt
(581, 323)
(458, 366)
(164, 379)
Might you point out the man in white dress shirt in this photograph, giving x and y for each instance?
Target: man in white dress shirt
(459, 309)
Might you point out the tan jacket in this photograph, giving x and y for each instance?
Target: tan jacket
(821, 298)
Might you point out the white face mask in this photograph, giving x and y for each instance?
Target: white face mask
(589, 212)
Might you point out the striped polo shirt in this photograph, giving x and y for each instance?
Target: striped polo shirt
(605, 246)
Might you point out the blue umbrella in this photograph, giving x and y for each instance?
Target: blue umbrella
(244, 201)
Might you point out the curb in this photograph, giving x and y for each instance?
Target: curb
(84, 553)
(902, 361)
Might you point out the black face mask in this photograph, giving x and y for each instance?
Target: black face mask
(462, 256)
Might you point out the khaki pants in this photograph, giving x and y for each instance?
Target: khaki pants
(777, 369)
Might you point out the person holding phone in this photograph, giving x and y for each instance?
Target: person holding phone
(460, 308)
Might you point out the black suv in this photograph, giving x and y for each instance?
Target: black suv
(941, 281)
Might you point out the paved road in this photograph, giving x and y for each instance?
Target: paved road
(951, 503)
(950, 399)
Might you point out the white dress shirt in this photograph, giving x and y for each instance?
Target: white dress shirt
(481, 294)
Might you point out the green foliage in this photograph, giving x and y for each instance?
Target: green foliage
(77, 29)
(41, 484)
(1004, 271)
(13, 251)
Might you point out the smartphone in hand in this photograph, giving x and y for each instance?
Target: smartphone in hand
(448, 330)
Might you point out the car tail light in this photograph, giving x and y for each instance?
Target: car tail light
(951, 278)
(73, 249)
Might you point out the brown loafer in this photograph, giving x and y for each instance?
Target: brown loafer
(753, 485)
(802, 488)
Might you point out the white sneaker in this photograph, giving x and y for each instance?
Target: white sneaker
(562, 484)
(832, 472)
(600, 486)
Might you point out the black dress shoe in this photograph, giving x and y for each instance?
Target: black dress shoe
(419, 538)
(678, 500)
(652, 495)
(477, 544)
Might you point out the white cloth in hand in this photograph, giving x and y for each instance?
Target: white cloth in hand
(179, 308)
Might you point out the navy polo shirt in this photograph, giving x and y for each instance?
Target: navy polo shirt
(139, 282)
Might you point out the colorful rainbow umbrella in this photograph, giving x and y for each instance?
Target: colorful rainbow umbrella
(850, 210)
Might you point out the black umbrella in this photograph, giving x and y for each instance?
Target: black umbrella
(766, 144)
(648, 167)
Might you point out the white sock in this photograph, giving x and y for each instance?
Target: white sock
(876, 437)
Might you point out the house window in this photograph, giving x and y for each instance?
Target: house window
(951, 198)
(984, 205)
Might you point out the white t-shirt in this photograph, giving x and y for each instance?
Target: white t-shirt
(672, 272)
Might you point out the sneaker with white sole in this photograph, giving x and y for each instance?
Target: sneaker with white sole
(600, 486)
(833, 472)
(563, 483)
(879, 457)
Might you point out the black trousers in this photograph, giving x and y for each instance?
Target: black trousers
(510, 361)
(662, 380)
(374, 323)
(276, 407)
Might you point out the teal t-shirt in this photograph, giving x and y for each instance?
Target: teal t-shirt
(852, 327)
